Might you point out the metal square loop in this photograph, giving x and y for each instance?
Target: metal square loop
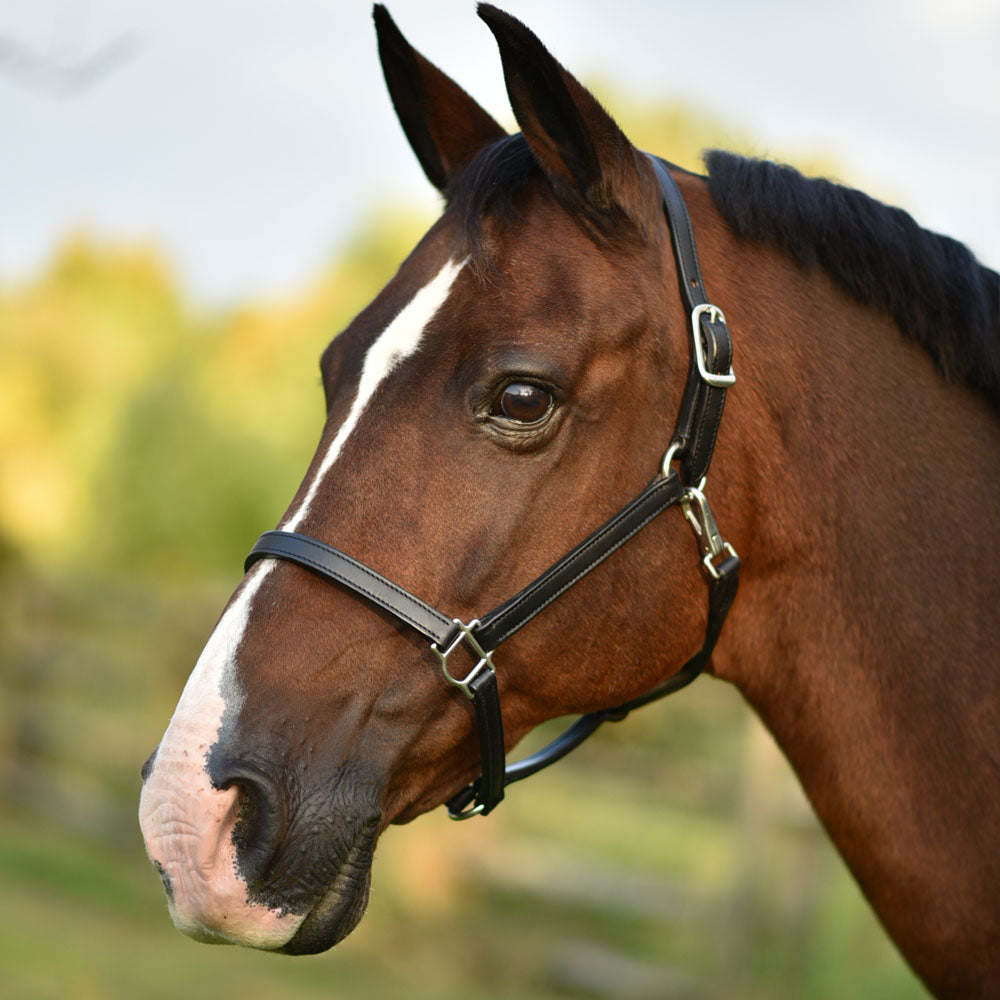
(464, 632)
(715, 315)
(708, 563)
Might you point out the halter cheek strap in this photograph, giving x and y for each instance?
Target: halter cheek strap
(710, 374)
(482, 637)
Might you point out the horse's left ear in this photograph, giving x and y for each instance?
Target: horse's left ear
(445, 126)
(585, 155)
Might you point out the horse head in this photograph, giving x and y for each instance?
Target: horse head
(510, 388)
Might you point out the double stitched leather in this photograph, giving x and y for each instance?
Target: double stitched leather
(721, 595)
(701, 405)
(489, 721)
(549, 754)
(336, 566)
(504, 621)
(692, 443)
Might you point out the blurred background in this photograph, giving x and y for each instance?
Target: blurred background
(196, 197)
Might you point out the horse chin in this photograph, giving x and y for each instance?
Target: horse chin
(336, 914)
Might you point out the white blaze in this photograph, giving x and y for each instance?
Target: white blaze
(398, 341)
(187, 823)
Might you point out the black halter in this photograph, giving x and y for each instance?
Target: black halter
(691, 445)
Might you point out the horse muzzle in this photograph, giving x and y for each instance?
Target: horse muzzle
(237, 871)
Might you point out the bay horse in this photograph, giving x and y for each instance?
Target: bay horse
(499, 422)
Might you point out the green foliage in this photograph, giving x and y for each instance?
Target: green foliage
(137, 435)
(75, 347)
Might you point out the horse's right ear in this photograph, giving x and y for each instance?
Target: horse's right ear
(445, 126)
(586, 157)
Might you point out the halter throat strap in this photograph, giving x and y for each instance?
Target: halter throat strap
(692, 442)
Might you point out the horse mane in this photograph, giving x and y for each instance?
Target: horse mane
(936, 291)
(933, 287)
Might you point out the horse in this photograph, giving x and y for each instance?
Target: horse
(498, 422)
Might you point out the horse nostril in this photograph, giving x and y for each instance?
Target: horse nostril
(147, 767)
(259, 823)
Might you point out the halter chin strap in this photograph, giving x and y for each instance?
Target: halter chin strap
(710, 374)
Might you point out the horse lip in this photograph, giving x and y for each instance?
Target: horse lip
(334, 916)
(338, 911)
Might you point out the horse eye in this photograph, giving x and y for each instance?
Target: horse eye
(523, 402)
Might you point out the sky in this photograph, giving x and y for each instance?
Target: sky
(251, 138)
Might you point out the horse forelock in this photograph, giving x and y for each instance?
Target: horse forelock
(489, 188)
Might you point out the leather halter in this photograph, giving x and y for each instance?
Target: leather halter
(691, 445)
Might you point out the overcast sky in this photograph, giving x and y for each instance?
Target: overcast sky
(250, 137)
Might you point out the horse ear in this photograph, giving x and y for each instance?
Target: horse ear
(578, 145)
(445, 126)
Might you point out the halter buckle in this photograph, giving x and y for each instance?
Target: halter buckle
(464, 632)
(698, 512)
(715, 315)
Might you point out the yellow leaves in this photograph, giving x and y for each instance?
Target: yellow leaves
(37, 497)
(136, 432)
(74, 346)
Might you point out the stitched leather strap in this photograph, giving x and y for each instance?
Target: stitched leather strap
(494, 628)
(549, 754)
(722, 592)
(488, 791)
(334, 565)
(701, 405)
(682, 235)
(502, 622)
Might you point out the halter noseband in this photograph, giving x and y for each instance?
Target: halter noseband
(710, 374)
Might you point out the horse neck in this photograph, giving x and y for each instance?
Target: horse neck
(866, 631)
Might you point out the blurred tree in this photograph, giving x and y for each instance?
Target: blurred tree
(75, 347)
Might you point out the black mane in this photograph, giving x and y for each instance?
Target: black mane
(931, 285)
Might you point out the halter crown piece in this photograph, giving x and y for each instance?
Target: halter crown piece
(710, 374)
